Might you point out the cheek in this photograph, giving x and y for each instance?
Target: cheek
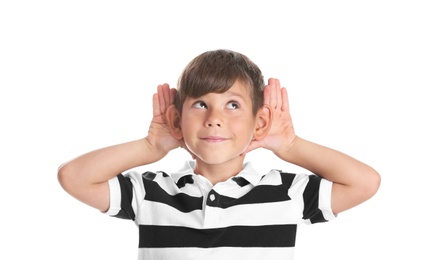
(188, 129)
(244, 129)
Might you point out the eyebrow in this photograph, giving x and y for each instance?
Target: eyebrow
(228, 94)
(231, 93)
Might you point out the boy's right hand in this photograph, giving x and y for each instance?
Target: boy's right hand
(159, 136)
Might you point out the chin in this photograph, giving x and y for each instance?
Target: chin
(215, 160)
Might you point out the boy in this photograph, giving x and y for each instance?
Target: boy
(217, 206)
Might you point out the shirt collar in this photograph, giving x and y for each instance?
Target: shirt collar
(187, 169)
(248, 172)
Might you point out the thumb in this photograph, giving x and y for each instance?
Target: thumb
(254, 144)
(183, 145)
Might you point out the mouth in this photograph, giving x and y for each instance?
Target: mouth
(214, 139)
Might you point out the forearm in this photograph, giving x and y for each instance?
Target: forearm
(86, 177)
(353, 181)
(325, 162)
(105, 163)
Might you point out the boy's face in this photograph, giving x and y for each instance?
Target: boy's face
(218, 127)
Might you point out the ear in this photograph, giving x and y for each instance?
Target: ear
(264, 119)
(173, 119)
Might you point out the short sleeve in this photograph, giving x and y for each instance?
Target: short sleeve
(312, 197)
(115, 197)
(317, 200)
(126, 194)
(325, 199)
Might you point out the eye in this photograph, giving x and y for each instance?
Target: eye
(200, 104)
(233, 105)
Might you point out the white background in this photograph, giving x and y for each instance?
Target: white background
(79, 75)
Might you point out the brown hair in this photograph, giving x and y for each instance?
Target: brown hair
(215, 72)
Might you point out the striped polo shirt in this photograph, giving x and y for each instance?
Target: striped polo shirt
(250, 216)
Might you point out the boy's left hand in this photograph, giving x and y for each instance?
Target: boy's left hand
(281, 134)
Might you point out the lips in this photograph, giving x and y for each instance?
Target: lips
(214, 139)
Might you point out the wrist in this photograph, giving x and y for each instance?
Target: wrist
(288, 150)
(152, 150)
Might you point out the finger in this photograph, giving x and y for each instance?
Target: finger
(160, 92)
(273, 95)
(173, 92)
(267, 95)
(156, 107)
(166, 92)
(285, 100)
(279, 94)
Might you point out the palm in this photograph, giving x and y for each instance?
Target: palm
(282, 130)
(159, 131)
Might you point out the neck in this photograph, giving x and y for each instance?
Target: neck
(221, 172)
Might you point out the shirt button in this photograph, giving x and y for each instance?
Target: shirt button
(212, 197)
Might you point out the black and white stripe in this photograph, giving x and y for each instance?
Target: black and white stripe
(180, 211)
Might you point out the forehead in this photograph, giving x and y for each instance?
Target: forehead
(238, 89)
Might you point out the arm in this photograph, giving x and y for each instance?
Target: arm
(353, 181)
(86, 177)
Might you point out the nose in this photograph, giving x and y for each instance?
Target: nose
(213, 119)
(213, 124)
